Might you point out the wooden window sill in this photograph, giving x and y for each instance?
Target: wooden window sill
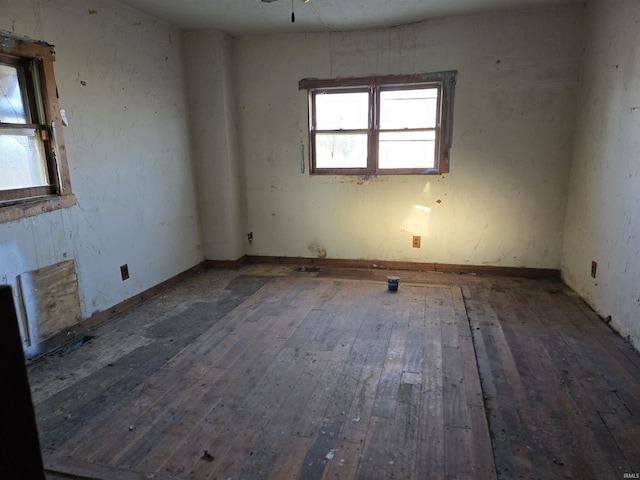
(36, 206)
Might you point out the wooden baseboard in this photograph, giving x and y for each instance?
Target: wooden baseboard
(416, 266)
(99, 317)
(497, 270)
(232, 264)
(70, 335)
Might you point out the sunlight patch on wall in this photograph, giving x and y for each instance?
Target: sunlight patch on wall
(417, 220)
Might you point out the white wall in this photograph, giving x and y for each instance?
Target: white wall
(214, 137)
(120, 79)
(503, 202)
(603, 214)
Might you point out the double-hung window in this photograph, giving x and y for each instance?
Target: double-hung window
(381, 125)
(32, 155)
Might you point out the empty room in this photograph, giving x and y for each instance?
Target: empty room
(285, 239)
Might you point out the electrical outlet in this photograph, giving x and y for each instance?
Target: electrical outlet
(124, 272)
(594, 268)
(415, 242)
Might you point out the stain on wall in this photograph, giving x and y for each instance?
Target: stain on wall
(317, 250)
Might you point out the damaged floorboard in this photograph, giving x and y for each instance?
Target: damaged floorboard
(322, 378)
(269, 373)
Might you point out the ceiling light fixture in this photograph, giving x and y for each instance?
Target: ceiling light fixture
(293, 15)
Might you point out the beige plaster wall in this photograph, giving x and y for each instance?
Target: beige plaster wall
(120, 78)
(503, 202)
(214, 140)
(603, 214)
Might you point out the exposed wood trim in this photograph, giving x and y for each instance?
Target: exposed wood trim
(100, 317)
(54, 146)
(26, 47)
(30, 208)
(22, 126)
(498, 270)
(70, 335)
(19, 194)
(233, 264)
(412, 79)
(418, 266)
(341, 262)
(54, 119)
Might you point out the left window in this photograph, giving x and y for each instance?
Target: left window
(33, 163)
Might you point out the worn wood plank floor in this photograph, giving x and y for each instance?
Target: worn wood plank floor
(561, 388)
(309, 378)
(282, 375)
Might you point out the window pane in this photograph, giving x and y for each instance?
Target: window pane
(342, 111)
(342, 150)
(11, 102)
(415, 108)
(407, 149)
(22, 161)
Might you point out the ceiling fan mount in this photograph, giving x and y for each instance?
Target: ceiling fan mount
(270, 1)
(293, 15)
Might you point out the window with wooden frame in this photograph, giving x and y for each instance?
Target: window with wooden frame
(398, 124)
(32, 154)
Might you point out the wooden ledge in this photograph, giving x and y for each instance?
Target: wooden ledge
(31, 208)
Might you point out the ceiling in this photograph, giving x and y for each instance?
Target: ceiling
(250, 17)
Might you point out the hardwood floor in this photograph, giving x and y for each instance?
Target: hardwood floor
(308, 378)
(564, 390)
(561, 389)
(329, 376)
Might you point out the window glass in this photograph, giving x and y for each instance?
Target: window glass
(415, 108)
(406, 150)
(342, 111)
(22, 162)
(394, 124)
(33, 164)
(341, 150)
(12, 109)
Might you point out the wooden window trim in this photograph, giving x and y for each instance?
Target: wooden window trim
(58, 194)
(444, 81)
(12, 212)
